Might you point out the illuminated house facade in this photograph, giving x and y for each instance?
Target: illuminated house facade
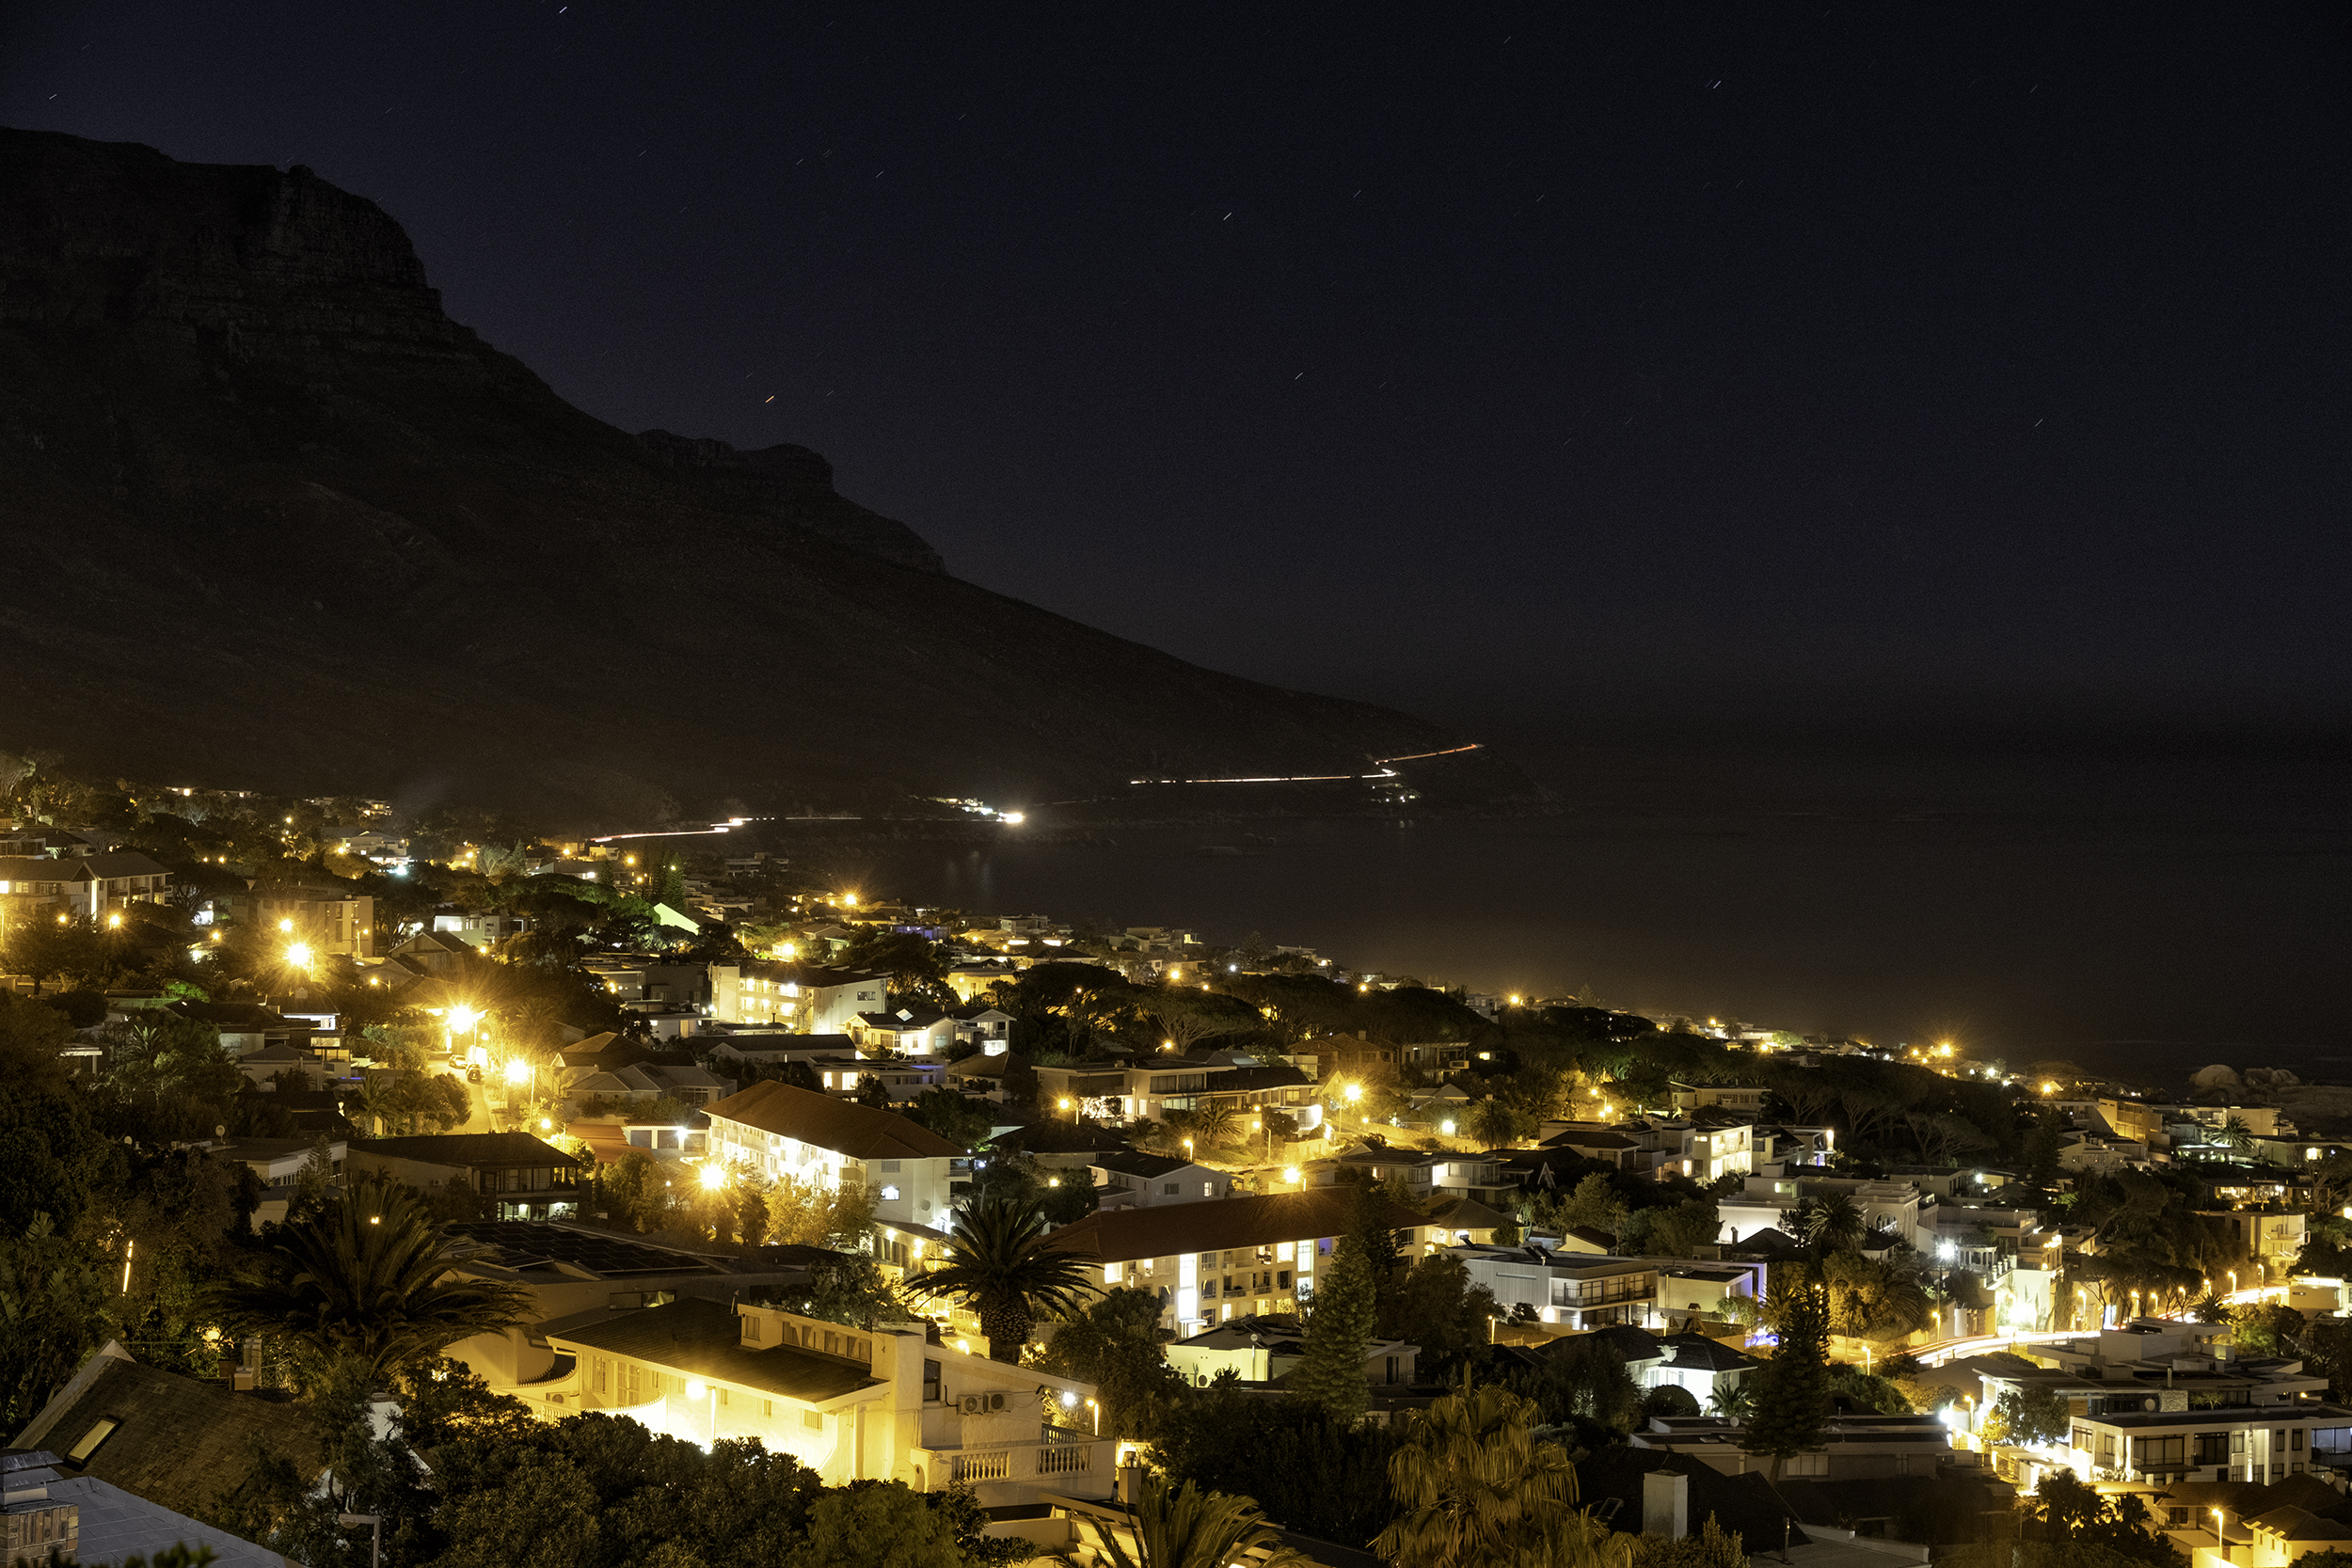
(1223, 1258)
(82, 888)
(852, 1405)
(781, 1132)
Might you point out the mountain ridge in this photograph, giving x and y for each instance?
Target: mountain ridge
(275, 515)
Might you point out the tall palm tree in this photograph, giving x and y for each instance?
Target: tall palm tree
(1829, 1225)
(1215, 1124)
(366, 1286)
(1189, 1529)
(2236, 1136)
(999, 1263)
(1493, 1122)
(1472, 1485)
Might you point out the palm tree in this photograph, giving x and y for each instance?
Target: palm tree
(1472, 1485)
(1734, 1402)
(1001, 1264)
(1215, 1124)
(1493, 1122)
(1829, 1225)
(366, 1286)
(1189, 1529)
(2236, 1136)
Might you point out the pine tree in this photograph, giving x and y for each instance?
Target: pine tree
(1339, 1327)
(673, 887)
(1793, 1403)
(1367, 1227)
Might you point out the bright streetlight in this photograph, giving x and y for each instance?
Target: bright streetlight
(299, 955)
(714, 1176)
(517, 1070)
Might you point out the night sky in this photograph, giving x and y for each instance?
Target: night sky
(1586, 361)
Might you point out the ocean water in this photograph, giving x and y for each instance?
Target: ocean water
(2141, 915)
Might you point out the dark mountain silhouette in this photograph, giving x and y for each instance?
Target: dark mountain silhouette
(272, 519)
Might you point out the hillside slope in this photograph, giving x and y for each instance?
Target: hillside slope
(272, 519)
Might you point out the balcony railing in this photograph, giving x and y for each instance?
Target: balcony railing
(1076, 1454)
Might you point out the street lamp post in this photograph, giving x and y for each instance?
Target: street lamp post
(375, 1523)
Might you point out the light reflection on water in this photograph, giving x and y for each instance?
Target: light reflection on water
(2126, 913)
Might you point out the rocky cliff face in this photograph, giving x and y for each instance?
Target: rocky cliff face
(272, 517)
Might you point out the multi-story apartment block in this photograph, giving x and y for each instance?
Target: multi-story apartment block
(2157, 1401)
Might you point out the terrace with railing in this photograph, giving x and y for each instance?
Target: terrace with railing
(1076, 1462)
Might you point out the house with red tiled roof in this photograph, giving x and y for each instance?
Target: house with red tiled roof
(1228, 1258)
(781, 1131)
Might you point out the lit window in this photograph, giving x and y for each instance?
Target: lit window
(890, 1195)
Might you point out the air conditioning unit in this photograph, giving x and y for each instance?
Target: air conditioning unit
(974, 1405)
(995, 1403)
